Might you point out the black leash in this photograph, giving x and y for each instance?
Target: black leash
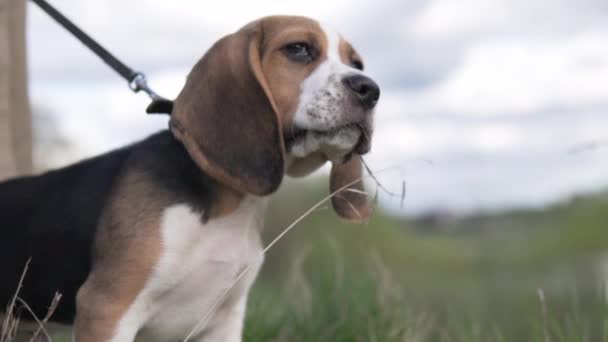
(137, 80)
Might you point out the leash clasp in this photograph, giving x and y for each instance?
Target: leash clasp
(139, 82)
(159, 104)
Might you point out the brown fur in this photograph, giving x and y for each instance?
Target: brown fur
(127, 247)
(351, 205)
(348, 54)
(227, 200)
(227, 119)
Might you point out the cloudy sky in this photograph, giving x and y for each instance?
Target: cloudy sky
(486, 104)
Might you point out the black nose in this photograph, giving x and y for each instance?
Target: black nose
(366, 90)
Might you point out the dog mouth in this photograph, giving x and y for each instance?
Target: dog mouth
(362, 146)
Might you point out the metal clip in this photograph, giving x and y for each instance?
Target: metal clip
(139, 82)
(159, 104)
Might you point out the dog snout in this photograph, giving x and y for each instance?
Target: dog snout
(364, 88)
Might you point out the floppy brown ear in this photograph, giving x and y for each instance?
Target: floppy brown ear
(226, 118)
(351, 203)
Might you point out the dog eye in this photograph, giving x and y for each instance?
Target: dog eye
(357, 64)
(299, 52)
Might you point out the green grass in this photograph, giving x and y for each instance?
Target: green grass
(390, 280)
(365, 309)
(478, 278)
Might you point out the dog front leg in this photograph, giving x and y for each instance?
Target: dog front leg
(107, 309)
(227, 326)
(102, 317)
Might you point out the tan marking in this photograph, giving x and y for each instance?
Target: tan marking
(284, 76)
(127, 247)
(347, 53)
(226, 201)
(350, 205)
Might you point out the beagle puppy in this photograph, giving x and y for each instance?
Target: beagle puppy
(144, 240)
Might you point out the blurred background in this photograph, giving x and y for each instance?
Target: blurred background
(491, 143)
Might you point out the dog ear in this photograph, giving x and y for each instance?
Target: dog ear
(351, 203)
(227, 120)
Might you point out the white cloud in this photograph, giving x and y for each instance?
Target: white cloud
(519, 76)
(467, 19)
(454, 18)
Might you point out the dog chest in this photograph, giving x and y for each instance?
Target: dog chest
(199, 262)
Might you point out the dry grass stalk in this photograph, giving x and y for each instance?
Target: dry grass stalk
(543, 307)
(351, 206)
(375, 179)
(403, 189)
(11, 322)
(40, 324)
(388, 288)
(49, 313)
(380, 186)
(298, 282)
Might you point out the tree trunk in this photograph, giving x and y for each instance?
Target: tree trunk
(15, 116)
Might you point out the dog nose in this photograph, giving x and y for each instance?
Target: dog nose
(366, 90)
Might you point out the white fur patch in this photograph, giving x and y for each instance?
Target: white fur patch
(322, 91)
(325, 105)
(334, 146)
(198, 263)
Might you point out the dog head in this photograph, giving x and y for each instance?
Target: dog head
(283, 95)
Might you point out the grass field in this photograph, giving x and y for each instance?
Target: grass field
(523, 275)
